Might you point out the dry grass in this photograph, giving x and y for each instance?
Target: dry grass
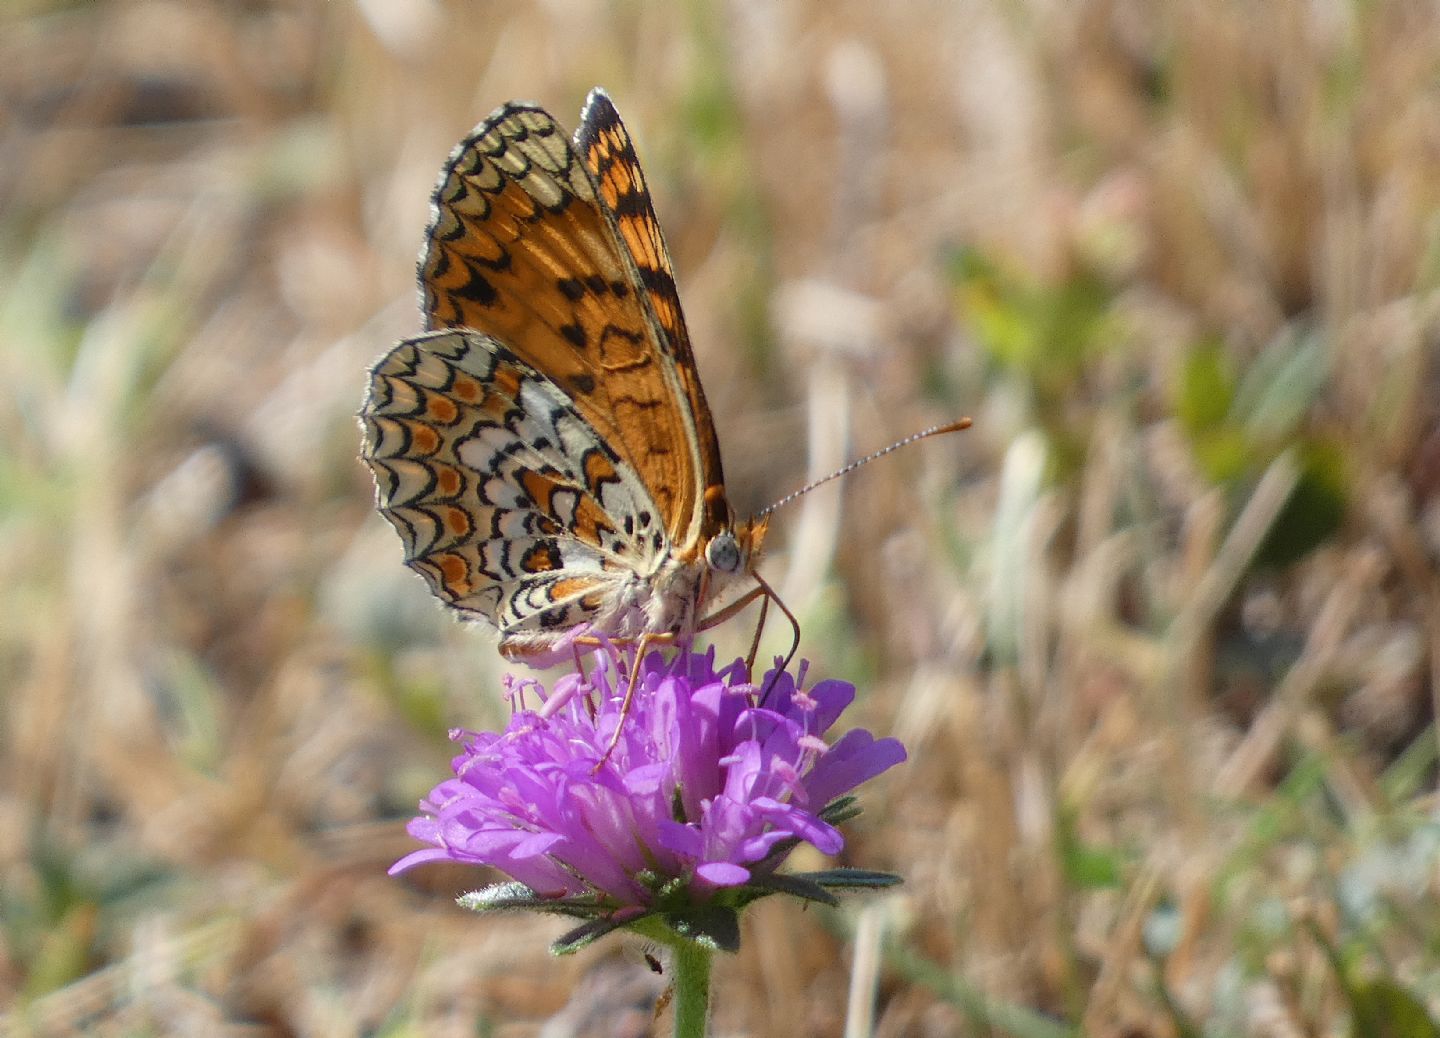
(1162, 633)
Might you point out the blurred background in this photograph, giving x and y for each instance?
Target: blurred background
(1161, 632)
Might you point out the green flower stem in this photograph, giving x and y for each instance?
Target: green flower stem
(692, 988)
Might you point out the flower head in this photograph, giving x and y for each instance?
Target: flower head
(703, 794)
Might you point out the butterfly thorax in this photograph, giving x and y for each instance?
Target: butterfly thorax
(688, 583)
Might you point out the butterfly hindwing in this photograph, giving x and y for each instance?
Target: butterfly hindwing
(508, 501)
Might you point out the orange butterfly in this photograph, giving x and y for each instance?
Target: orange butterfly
(544, 449)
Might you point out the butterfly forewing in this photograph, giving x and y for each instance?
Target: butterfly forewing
(521, 247)
(610, 157)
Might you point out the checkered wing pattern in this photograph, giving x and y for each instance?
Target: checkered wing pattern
(509, 503)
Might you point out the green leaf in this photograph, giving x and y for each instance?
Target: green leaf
(1383, 1009)
(1206, 389)
(1313, 513)
(1087, 867)
(1223, 453)
(1279, 389)
(1043, 331)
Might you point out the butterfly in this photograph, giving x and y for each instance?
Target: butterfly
(544, 449)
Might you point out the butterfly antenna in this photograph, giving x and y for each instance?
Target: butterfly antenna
(845, 470)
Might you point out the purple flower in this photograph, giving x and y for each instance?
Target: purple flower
(703, 792)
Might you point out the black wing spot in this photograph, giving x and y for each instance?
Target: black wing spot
(656, 280)
(575, 334)
(632, 203)
(478, 290)
(583, 383)
(570, 288)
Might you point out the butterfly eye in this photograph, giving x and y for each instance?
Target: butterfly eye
(722, 553)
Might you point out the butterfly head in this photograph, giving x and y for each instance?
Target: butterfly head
(735, 547)
(731, 547)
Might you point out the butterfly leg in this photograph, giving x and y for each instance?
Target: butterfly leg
(755, 641)
(580, 669)
(642, 645)
(765, 589)
(718, 618)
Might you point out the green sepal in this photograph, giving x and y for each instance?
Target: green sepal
(851, 879)
(710, 926)
(587, 934)
(517, 897)
(796, 885)
(840, 810)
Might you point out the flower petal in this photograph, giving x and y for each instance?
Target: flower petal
(700, 784)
